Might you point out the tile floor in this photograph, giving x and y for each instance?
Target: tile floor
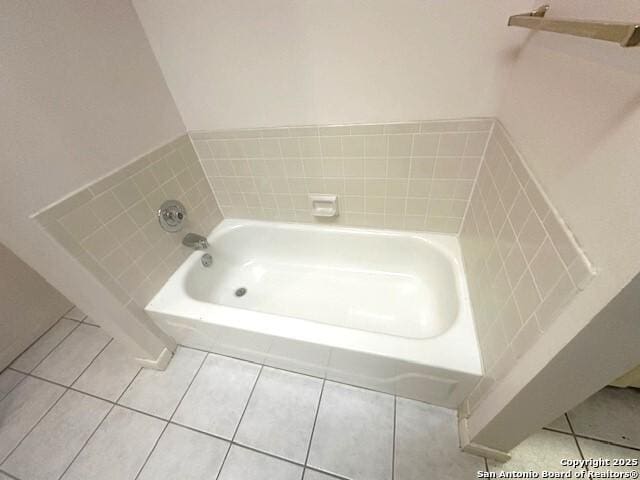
(74, 406)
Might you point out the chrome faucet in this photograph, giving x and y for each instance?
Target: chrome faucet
(195, 241)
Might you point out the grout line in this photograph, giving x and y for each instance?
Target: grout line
(587, 437)
(204, 358)
(91, 362)
(67, 312)
(87, 442)
(8, 474)
(231, 443)
(477, 175)
(128, 386)
(575, 439)
(197, 430)
(247, 404)
(566, 415)
(606, 442)
(326, 472)
(486, 464)
(56, 347)
(34, 426)
(233, 440)
(297, 373)
(268, 454)
(24, 376)
(155, 444)
(315, 420)
(37, 340)
(9, 367)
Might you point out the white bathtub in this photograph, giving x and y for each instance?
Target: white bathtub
(380, 309)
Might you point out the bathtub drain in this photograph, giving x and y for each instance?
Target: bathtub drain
(241, 291)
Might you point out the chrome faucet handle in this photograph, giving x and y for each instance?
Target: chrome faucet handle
(171, 215)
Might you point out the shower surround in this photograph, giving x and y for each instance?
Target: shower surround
(456, 177)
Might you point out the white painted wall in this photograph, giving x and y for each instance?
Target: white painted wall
(573, 107)
(247, 63)
(28, 306)
(81, 94)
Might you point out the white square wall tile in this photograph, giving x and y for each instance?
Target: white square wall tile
(205, 455)
(218, 395)
(427, 444)
(43, 346)
(118, 449)
(159, 392)
(280, 415)
(53, 444)
(21, 409)
(243, 464)
(69, 359)
(353, 436)
(110, 373)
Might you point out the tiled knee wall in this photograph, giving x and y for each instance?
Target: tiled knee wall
(414, 176)
(522, 263)
(111, 226)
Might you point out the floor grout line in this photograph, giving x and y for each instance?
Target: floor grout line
(56, 346)
(315, 420)
(33, 427)
(155, 444)
(117, 402)
(224, 460)
(9, 474)
(247, 404)
(36, 341)
(233, 438)
(87, 442)
(91, 362)
(253, 362)
(575, 439)
(204, 358)
(24, 377)
(587, 437)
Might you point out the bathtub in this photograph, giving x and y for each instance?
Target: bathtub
(381, 309)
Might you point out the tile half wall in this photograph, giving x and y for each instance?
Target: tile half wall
(414, 175)
(111, 226)
(465, 176)
(522, 263)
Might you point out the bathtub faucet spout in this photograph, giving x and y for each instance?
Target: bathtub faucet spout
(195, 241)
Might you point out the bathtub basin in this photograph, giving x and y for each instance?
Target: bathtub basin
(382, 309)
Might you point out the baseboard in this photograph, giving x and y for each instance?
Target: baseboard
(159, 363)
(477, 449)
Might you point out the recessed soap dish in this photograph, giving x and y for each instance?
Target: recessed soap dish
(323, 205)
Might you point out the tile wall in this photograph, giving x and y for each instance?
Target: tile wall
(457, 176)
(522, 263)
(414, 176)
(111, 226)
